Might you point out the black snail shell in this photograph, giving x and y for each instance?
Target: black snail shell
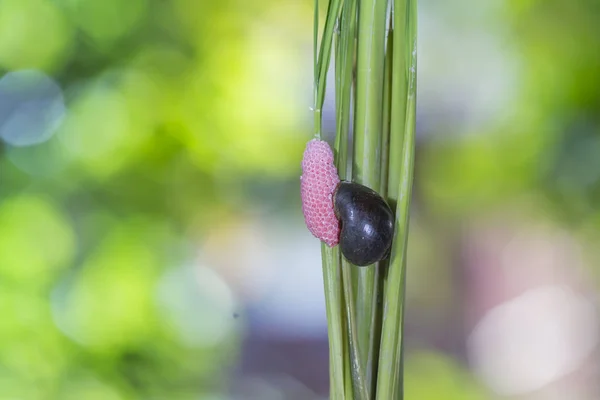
(367, 223)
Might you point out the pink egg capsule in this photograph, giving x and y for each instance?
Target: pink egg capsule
(317, 184)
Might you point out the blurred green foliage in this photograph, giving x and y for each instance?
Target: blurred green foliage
(545, 144)
(431, 376)
(171, 107)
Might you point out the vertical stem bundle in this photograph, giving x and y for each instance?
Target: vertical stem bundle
(367, 156)
(376, 82)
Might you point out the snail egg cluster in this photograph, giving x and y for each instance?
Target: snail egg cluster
(317, 184)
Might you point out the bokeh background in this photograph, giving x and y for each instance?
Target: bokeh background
(151, 240)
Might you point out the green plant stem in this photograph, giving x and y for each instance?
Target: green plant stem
(324, 57)
(333, 302)
(345, 50)
(380, 272)
(348, 379)
(361, 391)
(330, 257)
(387, 107)
(367, 151)
(390, 360)
(369, 99)
(399, 97)
(365, 306)
(344, 80)
(390, 381)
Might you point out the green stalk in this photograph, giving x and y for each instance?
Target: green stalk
(367, 152)
(344, 81)
(349, 386)
(402, 41)
(324, 57)
(387, 107)
(330, 257)
(345, 51)
(365, 306)
(335, 325)
(382, 266)
(361, 391)
(390, 382)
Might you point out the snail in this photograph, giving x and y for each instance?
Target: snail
(367, 223)
(345, 213)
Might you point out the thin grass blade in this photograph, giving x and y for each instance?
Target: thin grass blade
(323, 60)
(330, 258)
(332, 280)
(367, 152)
(390, 380)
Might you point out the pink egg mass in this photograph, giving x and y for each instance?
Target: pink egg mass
(317, 184)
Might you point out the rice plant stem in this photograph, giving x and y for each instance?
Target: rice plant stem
(367, 148)
(387, 107)
(390, 382)
(345, 49)
(323, 59)
(333, 303)
(361, 391)
(400, 44)
(330, 257)
(344, 81)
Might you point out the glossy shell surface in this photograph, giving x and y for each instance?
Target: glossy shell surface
(367, 224)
